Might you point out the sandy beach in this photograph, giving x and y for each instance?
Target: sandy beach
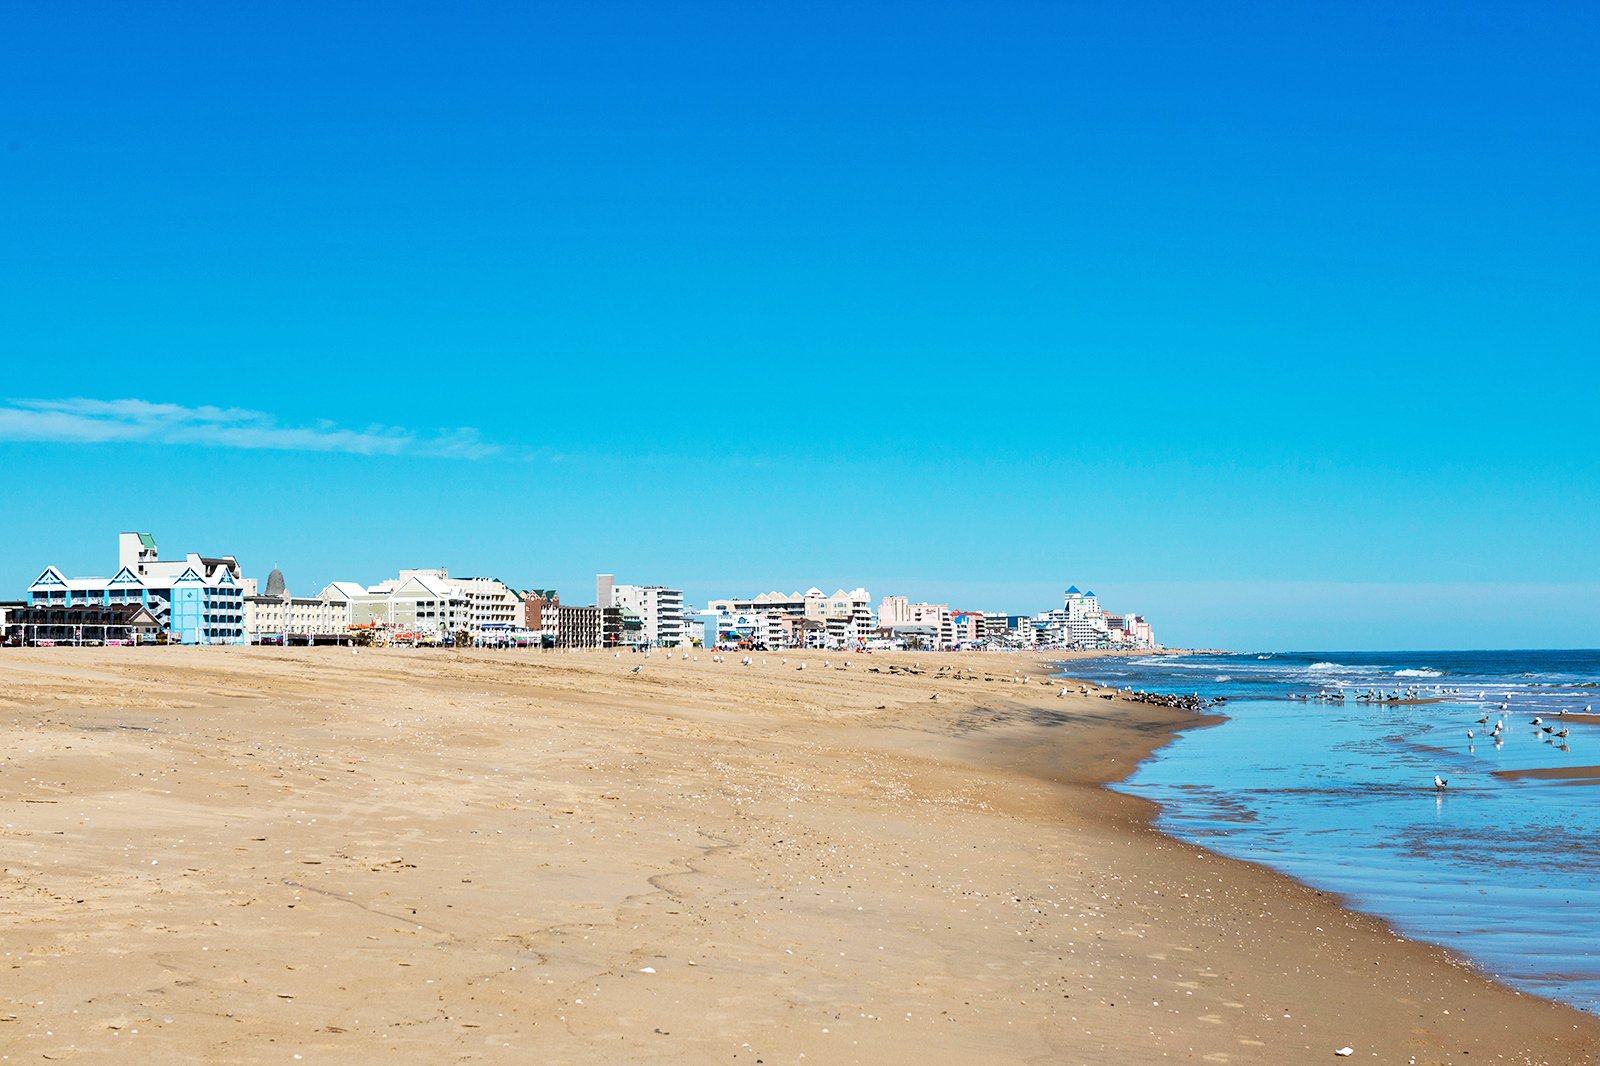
(280, 856)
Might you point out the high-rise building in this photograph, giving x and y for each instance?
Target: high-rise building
(660, 613)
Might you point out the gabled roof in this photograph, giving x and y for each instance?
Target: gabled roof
(126, 577)
(141, 616)
(1073, 591)
(433, 586)
(51, 578)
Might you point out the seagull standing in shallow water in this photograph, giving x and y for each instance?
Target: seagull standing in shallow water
(1439, 783)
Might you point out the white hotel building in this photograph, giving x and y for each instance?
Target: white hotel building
(430, 605)
(810, 619)
(660, 610)
(274, 616)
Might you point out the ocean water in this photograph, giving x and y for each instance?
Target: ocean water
(1504, 871)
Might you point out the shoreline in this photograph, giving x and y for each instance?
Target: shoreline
(828, 864)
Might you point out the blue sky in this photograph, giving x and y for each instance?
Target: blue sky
(1275, 322)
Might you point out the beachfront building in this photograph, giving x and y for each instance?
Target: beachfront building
(431, 607)
(894, 610)
(796, 619)
(272, 616)
(620, 627)
(660, 613)
(6, 609)
(897, 611)
(1130, 631)
(541, 615)
(846, 617)
(1081, 623)
(967, 628)
(92, 624)
(558, 625)
(578, 627)
(194, 600)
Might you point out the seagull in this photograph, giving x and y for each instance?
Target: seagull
(1537, 720)
(1484, 720)
(1439, 783)
(1563, 733)
(1469, 736)
(1549, 729)
(636, 669)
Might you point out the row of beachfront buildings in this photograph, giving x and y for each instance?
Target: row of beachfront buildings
(198, 599)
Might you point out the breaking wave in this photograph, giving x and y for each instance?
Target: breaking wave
(1419, 673)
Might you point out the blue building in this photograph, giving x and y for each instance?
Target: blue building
(196, 600)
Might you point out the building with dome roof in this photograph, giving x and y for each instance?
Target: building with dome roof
(275, 585)
(272, 616)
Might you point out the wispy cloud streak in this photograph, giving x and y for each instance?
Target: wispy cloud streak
(86, 421)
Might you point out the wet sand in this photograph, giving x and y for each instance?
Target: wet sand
(1552, 773)
(249, 855)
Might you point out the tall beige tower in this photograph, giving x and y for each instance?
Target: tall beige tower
(604, 584)
(134, 550)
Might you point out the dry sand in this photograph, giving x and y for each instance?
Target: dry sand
(270, 856)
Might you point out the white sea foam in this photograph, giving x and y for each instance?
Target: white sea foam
(1418, 673)
(1327, 666)
(1223, 677)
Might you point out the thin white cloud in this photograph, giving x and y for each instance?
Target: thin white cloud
(86, 421)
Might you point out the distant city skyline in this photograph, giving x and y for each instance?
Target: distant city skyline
(1273, 324)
